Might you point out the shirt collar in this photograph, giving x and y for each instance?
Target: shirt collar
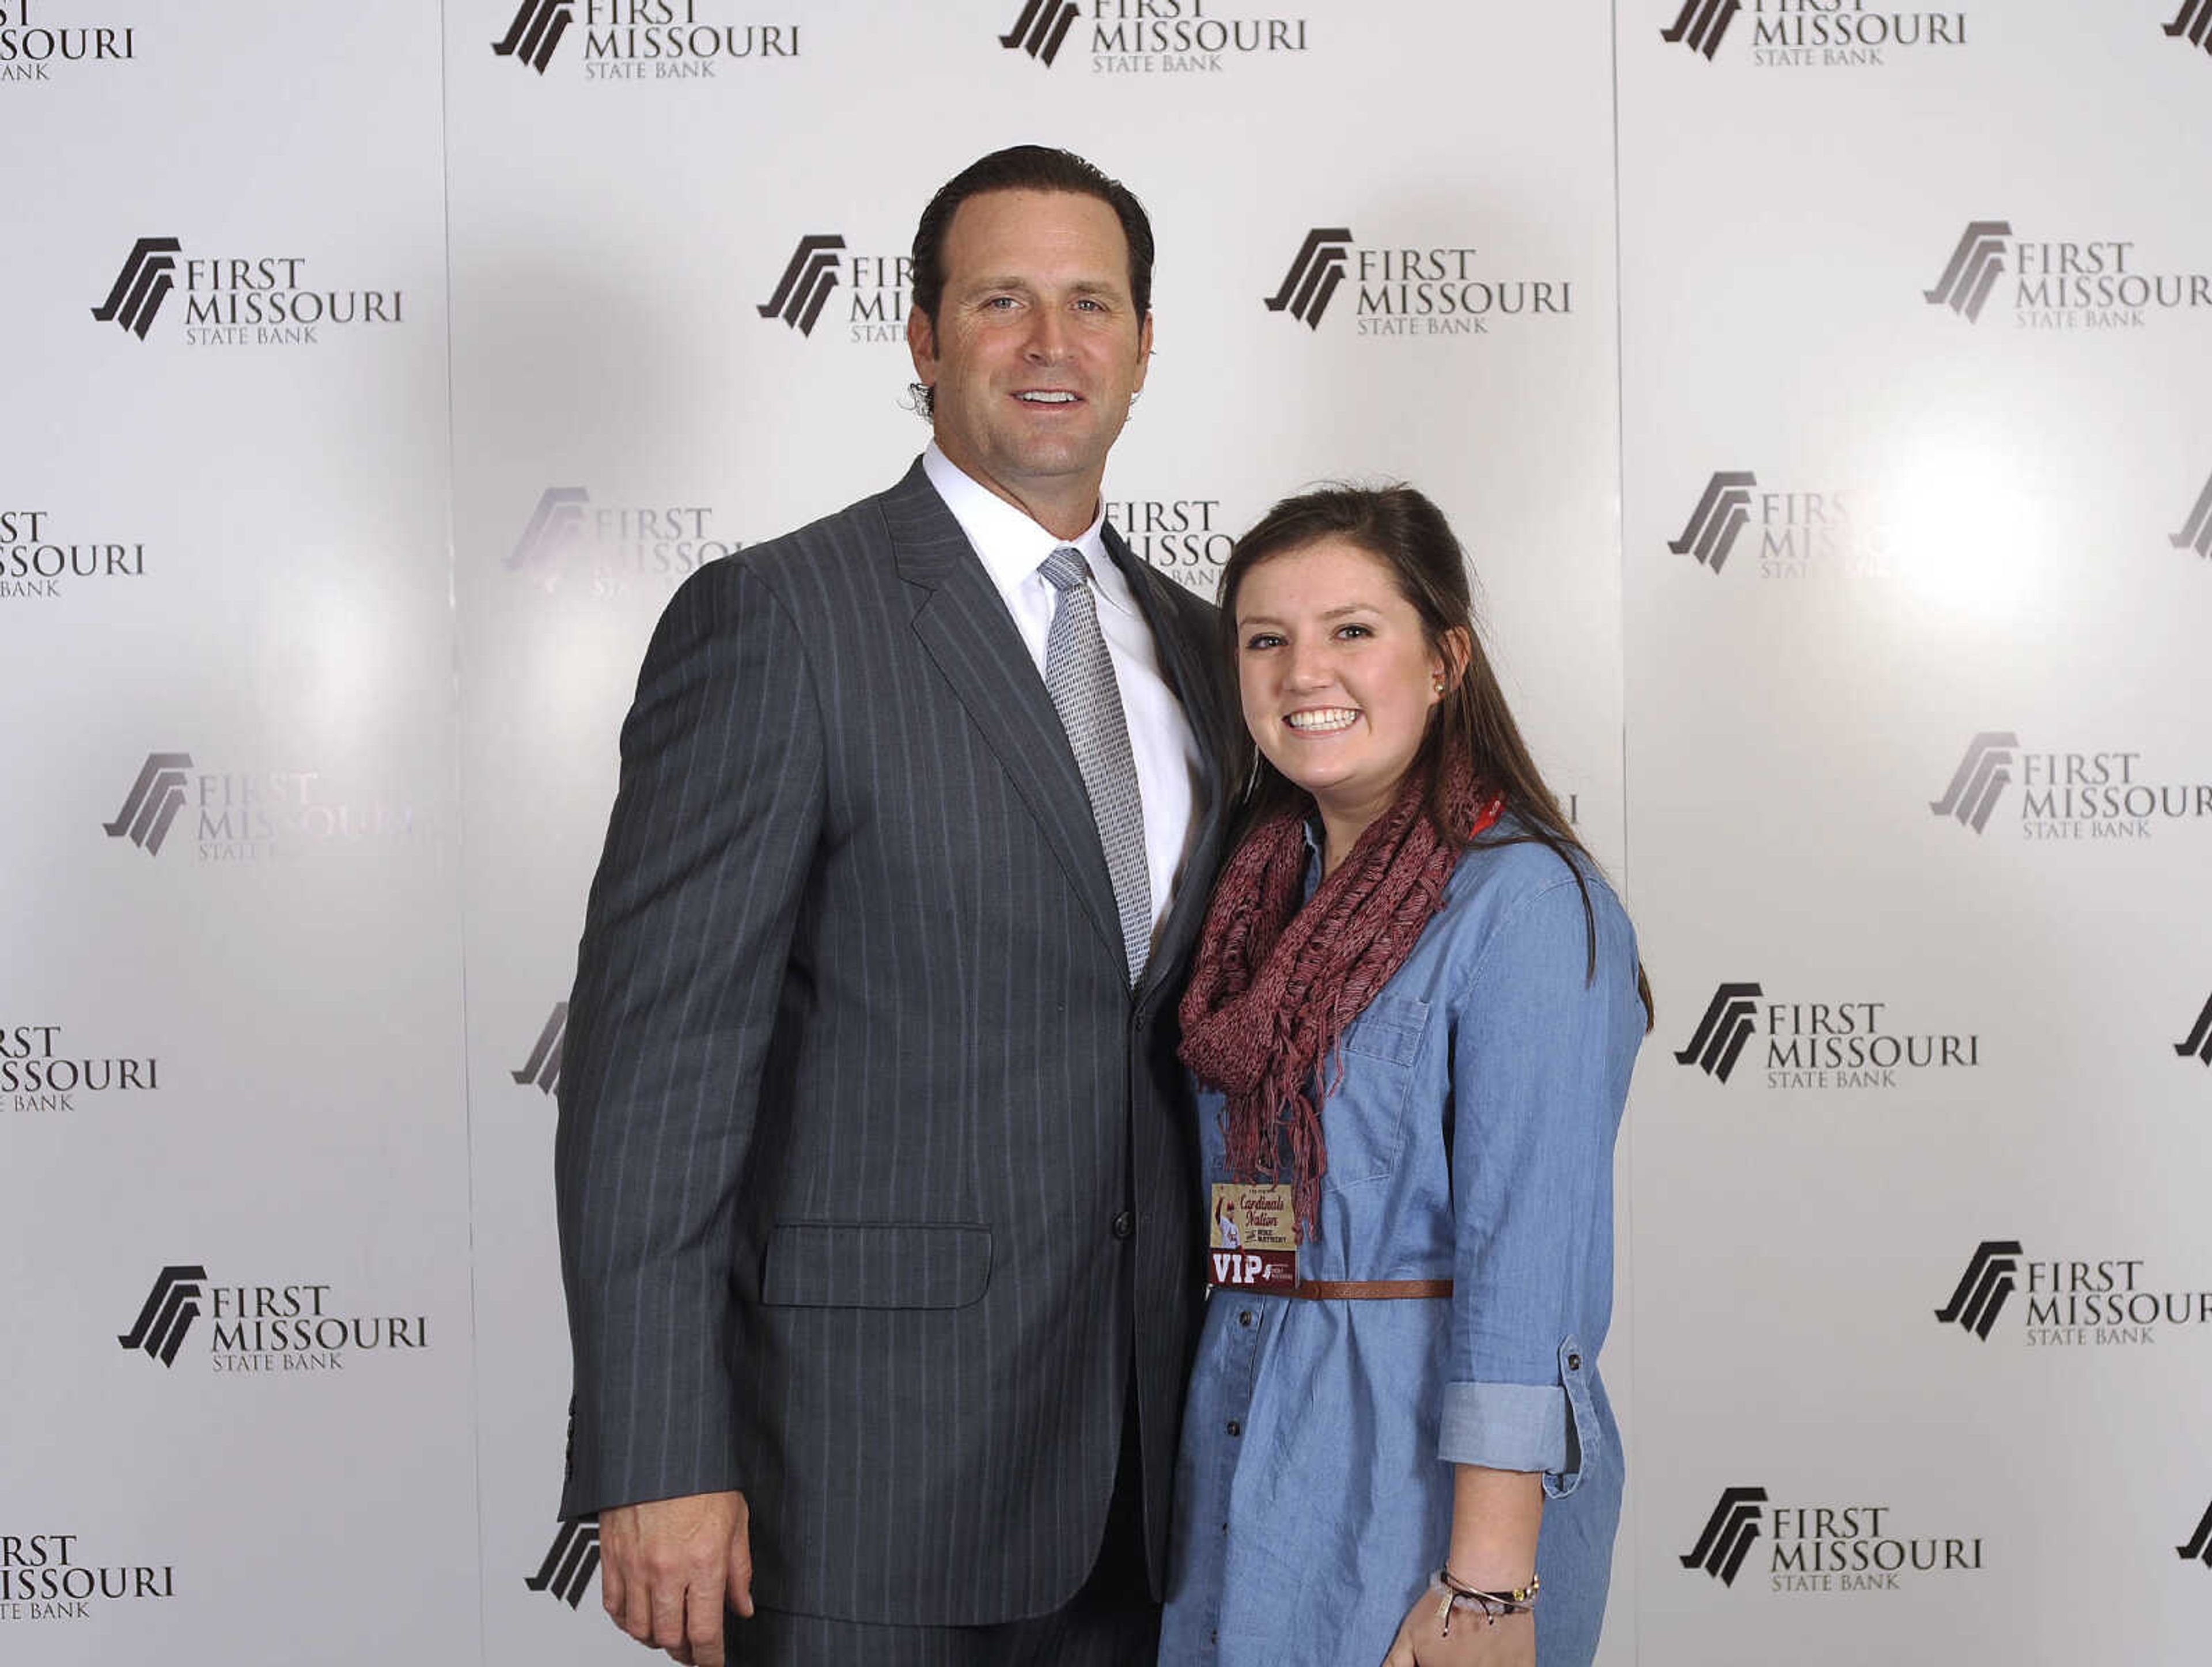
(1011, 546)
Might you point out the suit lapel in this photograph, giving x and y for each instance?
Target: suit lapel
(1187, 657)
(963, 623)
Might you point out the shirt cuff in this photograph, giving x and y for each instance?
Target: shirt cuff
(1504, 1426)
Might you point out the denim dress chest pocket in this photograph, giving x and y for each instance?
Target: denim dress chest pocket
(1364, 1120)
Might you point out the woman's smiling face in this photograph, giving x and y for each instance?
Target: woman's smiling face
(1338, 678)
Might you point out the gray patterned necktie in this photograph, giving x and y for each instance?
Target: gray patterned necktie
(1078, 674)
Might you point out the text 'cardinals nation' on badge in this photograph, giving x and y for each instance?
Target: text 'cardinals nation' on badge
(1255, 1244)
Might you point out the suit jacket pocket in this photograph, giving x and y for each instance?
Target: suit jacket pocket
(876, 1264)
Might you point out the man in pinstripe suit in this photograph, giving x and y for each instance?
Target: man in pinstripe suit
(876, 1196)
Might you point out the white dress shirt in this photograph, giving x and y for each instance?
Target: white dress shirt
(1165, 750)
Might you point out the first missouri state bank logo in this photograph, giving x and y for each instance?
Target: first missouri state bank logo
(1185, 536)
(2070, 1301)
(570, 1562)
(237, 301)
(2062, 283)
(1799, 533)
(1149, 37)
(1819, 1044)
(876, 289)
(1412, 289)
(1821, 1548)
(607, 550)
(2104, 794)
(639, 40)
(295, 1327)
(248, 816)
(1811, 34)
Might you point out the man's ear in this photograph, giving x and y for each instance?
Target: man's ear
(922, 343)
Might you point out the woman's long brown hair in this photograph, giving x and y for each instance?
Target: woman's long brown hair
(1409, 534)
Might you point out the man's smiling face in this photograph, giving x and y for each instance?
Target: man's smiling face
(1036, 348)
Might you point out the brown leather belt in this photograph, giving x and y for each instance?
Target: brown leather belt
(1369, 1290)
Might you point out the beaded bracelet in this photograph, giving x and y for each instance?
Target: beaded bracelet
(1453, 1595)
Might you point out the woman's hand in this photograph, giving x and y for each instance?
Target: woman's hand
(1496, 1516)
(1474, 1640)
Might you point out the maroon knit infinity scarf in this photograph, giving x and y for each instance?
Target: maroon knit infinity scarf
(1275, 985)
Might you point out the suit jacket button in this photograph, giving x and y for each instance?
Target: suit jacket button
(1124, 1225)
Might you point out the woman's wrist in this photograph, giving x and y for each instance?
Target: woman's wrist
(1503, 1571)
(1496, 1517)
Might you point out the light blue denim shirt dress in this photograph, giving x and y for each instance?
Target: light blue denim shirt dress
(1471, 1138)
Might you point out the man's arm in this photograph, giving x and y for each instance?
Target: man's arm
(683, 951)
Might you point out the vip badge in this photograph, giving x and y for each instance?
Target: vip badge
(1254, 1242)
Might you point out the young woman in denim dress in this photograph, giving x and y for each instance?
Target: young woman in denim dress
(1414, 1013)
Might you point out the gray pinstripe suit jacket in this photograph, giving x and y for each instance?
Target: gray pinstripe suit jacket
(854, 1089)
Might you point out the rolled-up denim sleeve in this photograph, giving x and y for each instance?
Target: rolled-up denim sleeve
(1539, 1054)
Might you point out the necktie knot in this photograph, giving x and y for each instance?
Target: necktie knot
(1065, 569)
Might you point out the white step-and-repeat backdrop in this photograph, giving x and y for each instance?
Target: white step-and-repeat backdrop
(1824, 392)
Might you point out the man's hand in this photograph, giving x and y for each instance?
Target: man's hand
(667, 1566)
